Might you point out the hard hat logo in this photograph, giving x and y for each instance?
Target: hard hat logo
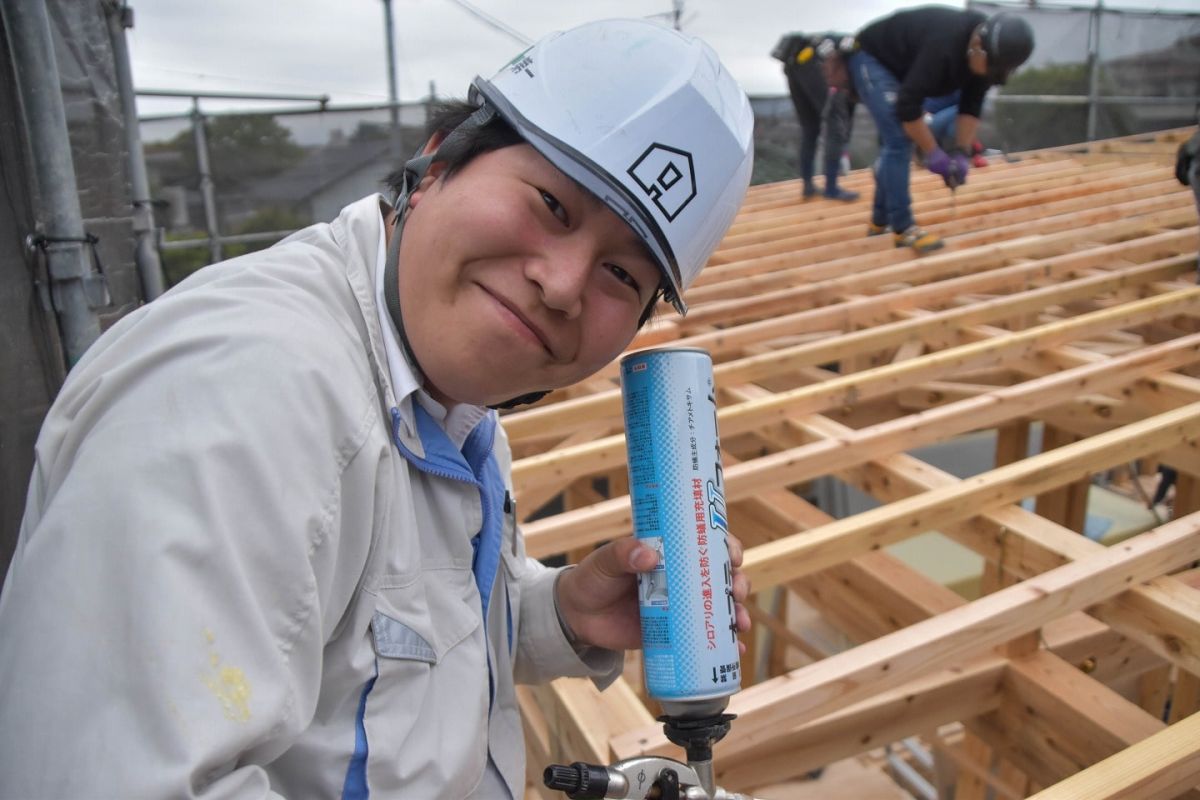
(521, 63)
(667, 176)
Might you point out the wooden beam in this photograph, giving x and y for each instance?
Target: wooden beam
(804, 553)
(1162, 766)
(542, 538)
(1162, 615)
(940, 698)
(893, 659)
(844, 316)
(1053, 707)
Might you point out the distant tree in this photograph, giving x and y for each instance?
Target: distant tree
(263, 221)
(1050, 79)
(1025, 126)
(370, 132)
(178, 264)
(242, 149)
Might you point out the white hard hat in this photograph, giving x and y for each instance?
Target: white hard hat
(645, 118)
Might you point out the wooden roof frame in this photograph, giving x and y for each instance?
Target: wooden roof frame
(1066, 296)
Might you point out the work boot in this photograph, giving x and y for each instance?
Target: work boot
(876, 230)
(837, 193)
(918, 240)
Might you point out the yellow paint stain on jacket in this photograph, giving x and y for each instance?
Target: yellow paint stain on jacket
(228, 685)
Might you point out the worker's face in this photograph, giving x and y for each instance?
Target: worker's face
(977, 60)
(514, 279)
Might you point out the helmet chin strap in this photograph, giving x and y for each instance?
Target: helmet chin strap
(414, 170)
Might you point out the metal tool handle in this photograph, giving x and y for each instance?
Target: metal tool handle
(637, 778)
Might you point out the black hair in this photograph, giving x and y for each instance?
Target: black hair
(446, 116)
(496, 134)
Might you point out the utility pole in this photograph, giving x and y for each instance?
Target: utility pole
(393, 93)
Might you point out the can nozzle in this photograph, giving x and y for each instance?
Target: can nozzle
(578, 780)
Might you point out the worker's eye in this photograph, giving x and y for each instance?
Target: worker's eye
(623, 275)
(556, 208)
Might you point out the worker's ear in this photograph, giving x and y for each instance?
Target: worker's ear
(433, 173)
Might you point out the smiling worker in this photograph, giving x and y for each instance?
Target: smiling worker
(270, 547)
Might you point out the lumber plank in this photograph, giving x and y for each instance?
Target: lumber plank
(570, 462)
(1161, 766)
(892, 659)
(943, 697)
(803, 553)
(1162, 615)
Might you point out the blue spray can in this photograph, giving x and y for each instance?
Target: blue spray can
(677, 489)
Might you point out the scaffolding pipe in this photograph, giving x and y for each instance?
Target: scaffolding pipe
(914, 781)
(59, 220)
(206, 183)
(145, 255)
(1094, 69)
(320, 99)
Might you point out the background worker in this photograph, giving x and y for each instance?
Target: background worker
(820, 92)
(919, 53)
(1187, 169)
(941, 115)
(270, 548)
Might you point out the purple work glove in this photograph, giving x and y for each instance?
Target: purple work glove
(959, 166)
(952, 168)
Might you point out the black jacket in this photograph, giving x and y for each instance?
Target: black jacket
(926, 49)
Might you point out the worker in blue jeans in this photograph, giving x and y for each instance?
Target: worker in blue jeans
(941, 115)
(809, 62)
(916, 54)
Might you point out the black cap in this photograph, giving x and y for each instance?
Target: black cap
(1008, 40)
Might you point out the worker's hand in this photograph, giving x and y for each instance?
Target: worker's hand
(959, 166)
(598, 599)
(939, 162)
(952, 167)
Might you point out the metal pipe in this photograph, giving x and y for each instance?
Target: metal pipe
(1043, 99)
(237, 238)
(918, 751)
(59, 219)
(274, 112)
(206, 183)
(323, 99)
(1080, 99)
(120, 17)
(1094, 69)
(393, 92)
(916, 782)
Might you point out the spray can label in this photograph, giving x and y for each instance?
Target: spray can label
(676, 486)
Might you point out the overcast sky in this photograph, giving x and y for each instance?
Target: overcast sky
(337, 47)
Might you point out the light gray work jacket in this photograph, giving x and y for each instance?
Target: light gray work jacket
(248, 569)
